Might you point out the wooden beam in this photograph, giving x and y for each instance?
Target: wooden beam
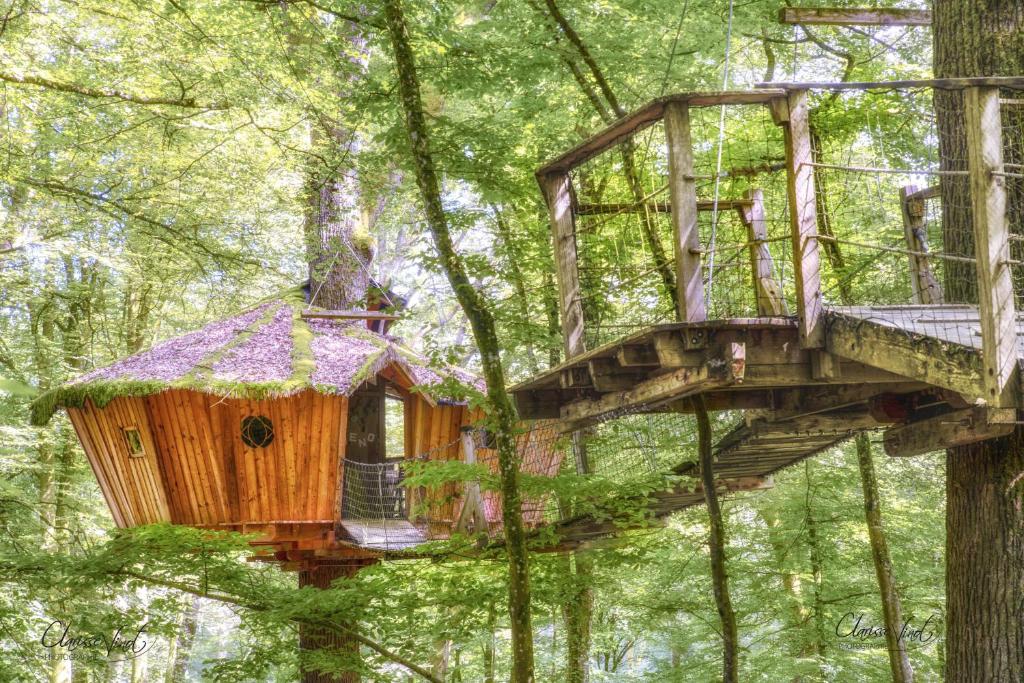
(557, 189)
(992, 245)
(724, 366)
(1009, 82)
(607, 375)
(682, 190)
(957, 428)
(913, 356)
(803, 220)
(855, 16)
(766, 290)
(645, 116)
(637, 356)
(705, 205)
(924, 287)
(349, 315)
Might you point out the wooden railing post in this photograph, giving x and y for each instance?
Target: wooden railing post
(557, 188)
(795, 120)
(682, 187)
(924, 287)
(766, 289)
(992, 244)
(471, 517)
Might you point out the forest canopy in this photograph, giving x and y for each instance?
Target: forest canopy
(162, 166)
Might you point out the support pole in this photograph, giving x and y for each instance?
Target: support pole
(685, 229)
(992, 244)
(766, 289)
(924, 287)
(471, 518)
(803, 218)
(557, 188)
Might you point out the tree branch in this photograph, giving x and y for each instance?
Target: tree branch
(109, 93)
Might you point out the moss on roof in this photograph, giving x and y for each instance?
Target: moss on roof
(266, 351)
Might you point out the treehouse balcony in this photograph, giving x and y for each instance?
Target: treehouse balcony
(779, 251)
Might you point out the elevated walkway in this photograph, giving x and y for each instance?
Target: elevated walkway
(914, 371)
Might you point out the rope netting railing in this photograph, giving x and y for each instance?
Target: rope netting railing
(453, 488)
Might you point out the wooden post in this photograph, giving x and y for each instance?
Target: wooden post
(471, 518)
(992, 244)
(557, 188)
(682, 189)
(803, 217)
(766, 289)
(923, 285)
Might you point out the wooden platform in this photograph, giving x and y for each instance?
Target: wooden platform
(913, 370)
(383, 534)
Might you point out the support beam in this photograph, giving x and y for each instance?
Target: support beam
(766, 289)
(924, 287)
(992, 244)
(723, 366)
(855, 16)
(910, 355)
(557, 188)
(803, 220)
(685, 230)
(957, 428)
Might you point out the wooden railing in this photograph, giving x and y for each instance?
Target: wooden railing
(790, 110)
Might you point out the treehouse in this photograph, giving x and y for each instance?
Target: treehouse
(292, 422)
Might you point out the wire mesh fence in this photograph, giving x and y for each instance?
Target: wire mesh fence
(624, 230)
(892, 212)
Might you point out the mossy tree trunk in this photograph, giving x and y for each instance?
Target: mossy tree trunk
(501, 412)
(984, 486)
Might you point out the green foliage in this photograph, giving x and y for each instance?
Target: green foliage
(155, 176)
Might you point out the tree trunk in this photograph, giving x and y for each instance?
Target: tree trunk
(984, 487)
(577, 616)
(716, 544)
(499, 406)
(187, 627)
(892, 609)
(310, 638)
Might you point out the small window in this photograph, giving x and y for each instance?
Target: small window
(257, 431)
(133, 441)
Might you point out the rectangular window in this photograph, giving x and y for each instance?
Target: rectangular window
(133, 441)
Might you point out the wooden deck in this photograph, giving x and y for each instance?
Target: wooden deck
(914, 371)
(383, 534)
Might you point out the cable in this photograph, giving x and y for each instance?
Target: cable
(718, 163)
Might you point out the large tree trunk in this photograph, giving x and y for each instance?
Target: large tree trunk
(501, 412)
(984, 486)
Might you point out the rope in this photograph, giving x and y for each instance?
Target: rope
(718, 163)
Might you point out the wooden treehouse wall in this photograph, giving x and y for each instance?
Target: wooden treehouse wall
(196, 469)
(132, 487)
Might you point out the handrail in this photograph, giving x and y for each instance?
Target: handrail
(646, 116)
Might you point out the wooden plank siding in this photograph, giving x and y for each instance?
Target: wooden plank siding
(132, 486)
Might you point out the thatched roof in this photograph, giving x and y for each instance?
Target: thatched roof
(268, 350)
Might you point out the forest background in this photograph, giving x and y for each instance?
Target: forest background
(155, 161)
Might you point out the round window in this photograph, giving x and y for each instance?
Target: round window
(257, 431)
